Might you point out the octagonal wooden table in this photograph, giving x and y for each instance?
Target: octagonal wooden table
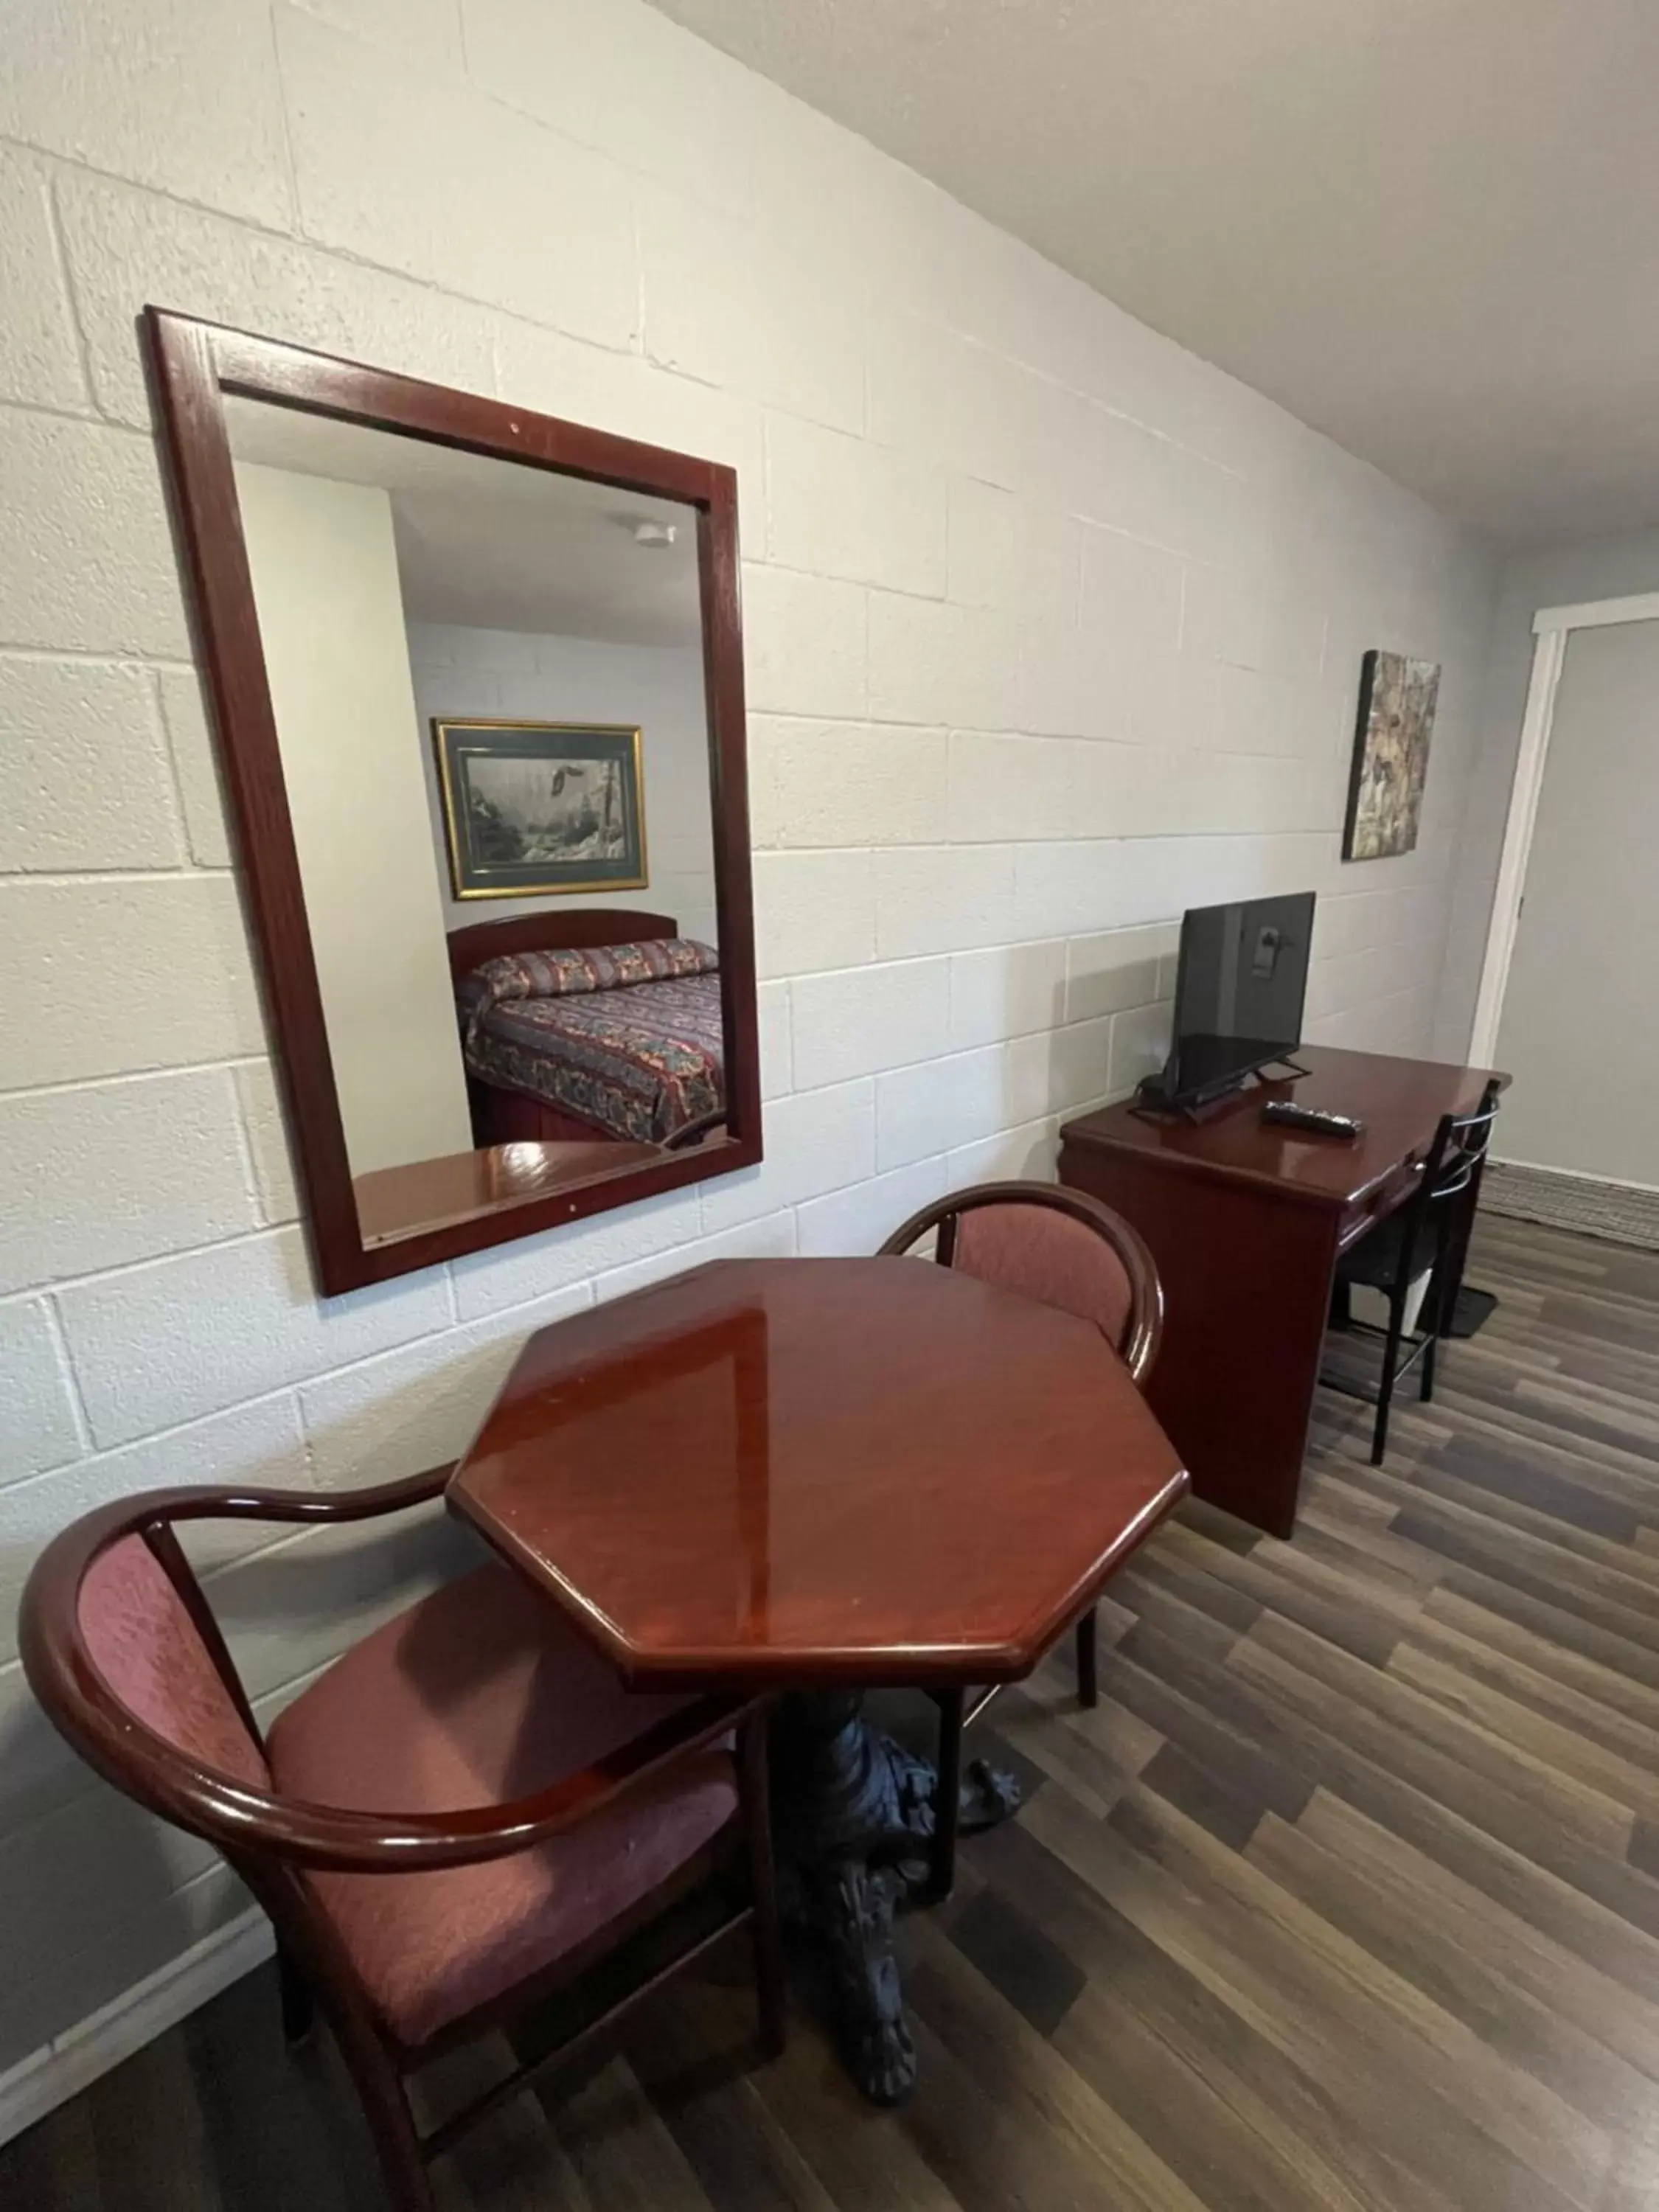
(817, 1475)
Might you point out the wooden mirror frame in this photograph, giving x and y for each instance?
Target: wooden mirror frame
(194, 366)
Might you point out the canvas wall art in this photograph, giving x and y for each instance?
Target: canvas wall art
(538, 807)
(1397, 699)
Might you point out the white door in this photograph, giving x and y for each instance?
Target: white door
(1579, 1029)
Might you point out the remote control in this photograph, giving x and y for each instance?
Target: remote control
(1315, 1119)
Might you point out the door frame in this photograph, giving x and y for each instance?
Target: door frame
(1552, 629)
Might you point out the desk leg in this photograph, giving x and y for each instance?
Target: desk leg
(853, 1818)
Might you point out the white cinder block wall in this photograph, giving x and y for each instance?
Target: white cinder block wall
(1051, 630)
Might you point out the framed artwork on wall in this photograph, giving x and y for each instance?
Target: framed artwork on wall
(1397, 699)
(534, 808)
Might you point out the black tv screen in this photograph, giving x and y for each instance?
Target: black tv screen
(1239, 991)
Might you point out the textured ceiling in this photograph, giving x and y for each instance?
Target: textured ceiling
(1430, 227)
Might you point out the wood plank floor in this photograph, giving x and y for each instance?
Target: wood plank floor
(1347, 1895)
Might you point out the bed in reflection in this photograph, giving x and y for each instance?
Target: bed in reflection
(589, 1024)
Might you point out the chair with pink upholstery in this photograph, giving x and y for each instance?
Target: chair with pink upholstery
(461, 1815)
(1064, 1250)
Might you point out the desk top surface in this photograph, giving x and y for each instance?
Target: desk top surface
(1400, 1102)
(819, 1471)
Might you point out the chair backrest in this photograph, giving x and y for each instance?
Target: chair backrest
(1460, 1147)
(138, 1632)
(1454, 1162)
(122, 1650)
(1054, 1245)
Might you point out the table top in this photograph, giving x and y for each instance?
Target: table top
(1400, 1102)
(819, 1471)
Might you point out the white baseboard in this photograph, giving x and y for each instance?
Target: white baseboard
(73, 2060)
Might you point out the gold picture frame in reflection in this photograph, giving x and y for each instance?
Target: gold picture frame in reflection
(534, 809)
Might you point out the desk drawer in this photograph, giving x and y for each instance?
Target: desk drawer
(1387, 1198)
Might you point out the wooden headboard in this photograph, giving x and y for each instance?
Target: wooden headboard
(573, 931)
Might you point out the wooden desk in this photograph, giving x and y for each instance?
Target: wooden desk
(817, 1474)
(1245, 1222)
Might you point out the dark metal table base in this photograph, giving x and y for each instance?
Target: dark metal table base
(853, 1824)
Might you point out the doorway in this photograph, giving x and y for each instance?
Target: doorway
(1570, 993)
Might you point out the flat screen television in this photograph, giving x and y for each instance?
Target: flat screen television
(1240, 986)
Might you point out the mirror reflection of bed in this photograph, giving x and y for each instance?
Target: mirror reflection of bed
(488, 688)
(589, 1026)
(592, 1042)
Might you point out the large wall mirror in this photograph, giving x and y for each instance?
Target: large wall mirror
(477, 681)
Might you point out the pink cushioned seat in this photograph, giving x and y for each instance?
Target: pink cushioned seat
(480, 1694)
(1045, 1254)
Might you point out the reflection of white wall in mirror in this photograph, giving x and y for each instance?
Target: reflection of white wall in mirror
(331, 623)
(512, 675)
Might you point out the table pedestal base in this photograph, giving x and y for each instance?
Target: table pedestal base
(853, 1820)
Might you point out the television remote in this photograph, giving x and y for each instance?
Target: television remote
(1288, 1115)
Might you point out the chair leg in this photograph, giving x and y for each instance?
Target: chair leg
(1386, 1381)
(947, 1794)
(298, 2009)
(386, 2106)
(770, 1995)
(1088, 1643)
(1442, 1299)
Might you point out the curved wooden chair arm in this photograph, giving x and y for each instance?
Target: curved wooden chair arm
(694, 1132)
(1145, 1329)
(148, 1509)
(64, 1676)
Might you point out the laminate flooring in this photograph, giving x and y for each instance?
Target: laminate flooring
(1347, 1896)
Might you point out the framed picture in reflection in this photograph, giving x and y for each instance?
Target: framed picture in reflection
(534, 808)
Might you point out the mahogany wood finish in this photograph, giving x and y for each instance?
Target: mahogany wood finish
(501, 1117)
(822, 1474)
(1137, 1346)
(769, 1472)
(428, 1194)
(578, 929)
(1245, 1221)
(195, 365)
(269, 1839)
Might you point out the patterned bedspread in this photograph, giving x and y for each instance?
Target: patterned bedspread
(642, 1061)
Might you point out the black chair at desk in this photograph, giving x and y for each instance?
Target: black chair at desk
(1433, 1225)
